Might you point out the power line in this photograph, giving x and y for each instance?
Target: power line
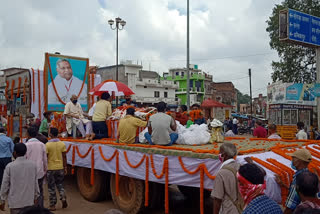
(211, 59)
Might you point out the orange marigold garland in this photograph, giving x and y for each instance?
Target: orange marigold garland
(20, 127)
(33, 86)
(201, 189)
(6, 90)
(19, 85)
(146, 183)
(85, 155)
(165, 170)
(12, 87)
(117, 174)
(73, 159)
(130, 164)
(283, 177)
(92, 167)
(24, 90)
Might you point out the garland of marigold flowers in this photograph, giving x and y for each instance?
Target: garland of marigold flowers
(115, 154)
(283, 167)
(54, 87)
(92, 167)
(73, 159)
(20, 127)
(146, 183)
(6, 90)
(283, 177)
(85, 155)
(19, 85)
(69, 147)
(39, 95)
(24, 90)
(165, 170)
(12, 87)
(130, 164)
(251, 151)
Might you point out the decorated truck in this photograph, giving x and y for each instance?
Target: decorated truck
(138, 176)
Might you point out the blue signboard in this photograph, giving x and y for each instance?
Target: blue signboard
(303, 27)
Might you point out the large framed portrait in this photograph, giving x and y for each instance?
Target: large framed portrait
(65, 76)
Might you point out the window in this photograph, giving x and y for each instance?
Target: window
(166, 88)
(145, 86)
(182, 74)
(177, 73)
(165, 94)
(156, 94)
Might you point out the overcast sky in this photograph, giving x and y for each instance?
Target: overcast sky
(227, 37)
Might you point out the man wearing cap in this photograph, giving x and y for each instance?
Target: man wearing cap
(300, 161)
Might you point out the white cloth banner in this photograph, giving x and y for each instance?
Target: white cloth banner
(176, 174)
(34, 77)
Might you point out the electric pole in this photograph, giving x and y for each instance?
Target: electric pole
(188, 59)
(250, 92)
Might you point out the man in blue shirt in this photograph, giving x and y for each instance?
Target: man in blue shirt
(6, 150)
(300, 161)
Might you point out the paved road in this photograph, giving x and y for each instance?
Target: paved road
(78, 205)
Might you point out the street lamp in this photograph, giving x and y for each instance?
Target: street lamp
(119, 25)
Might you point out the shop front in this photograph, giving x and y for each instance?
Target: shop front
(286, 117)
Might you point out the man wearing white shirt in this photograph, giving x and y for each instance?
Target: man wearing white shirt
(66, 84)
(301, 135)
(75, 115)
(235, 125)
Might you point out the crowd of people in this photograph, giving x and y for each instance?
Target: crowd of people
(258, 129)
(241, 189)
(35, 161)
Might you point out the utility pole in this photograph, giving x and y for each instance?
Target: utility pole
(250, 91)
(188, 59)
(318, 81)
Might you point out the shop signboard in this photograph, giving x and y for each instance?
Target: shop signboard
(293, 93)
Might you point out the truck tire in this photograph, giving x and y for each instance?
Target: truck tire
(91, 193)
(131, 194)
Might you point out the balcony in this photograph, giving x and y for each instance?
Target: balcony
(168, 100)
(192, 90)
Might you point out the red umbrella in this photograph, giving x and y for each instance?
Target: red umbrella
(110, 86)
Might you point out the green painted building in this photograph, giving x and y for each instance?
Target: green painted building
(197, 85)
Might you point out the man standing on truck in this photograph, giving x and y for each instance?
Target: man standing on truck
(128, 127)
(159, 127)
(66, 84)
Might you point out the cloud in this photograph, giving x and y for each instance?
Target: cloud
(227, 37)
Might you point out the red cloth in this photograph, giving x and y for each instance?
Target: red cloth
(248, 190)
(182, 118)
(260, 132)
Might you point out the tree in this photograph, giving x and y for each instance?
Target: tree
(297, 63)
(242, 99)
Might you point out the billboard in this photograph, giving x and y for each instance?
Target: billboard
(65, 76)
(293, 93)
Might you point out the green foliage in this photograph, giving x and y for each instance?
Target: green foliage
(297, 63)
(242, 99)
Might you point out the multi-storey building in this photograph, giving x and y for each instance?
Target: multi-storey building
(148, 86)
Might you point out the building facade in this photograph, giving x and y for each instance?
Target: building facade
(197, 85)
(148, 86)
(226, 93)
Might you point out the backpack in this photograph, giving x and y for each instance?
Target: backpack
(238, 203)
